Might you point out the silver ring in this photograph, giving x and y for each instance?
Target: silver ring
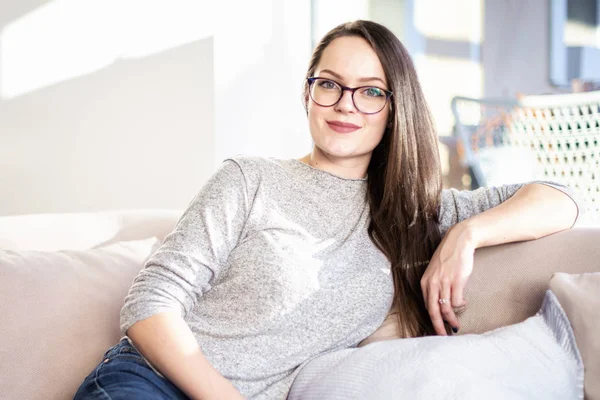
(443, 301)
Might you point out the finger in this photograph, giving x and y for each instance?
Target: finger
(446, 305)
(434, 309)
(458, 288)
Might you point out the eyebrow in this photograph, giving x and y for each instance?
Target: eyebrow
(338, 76)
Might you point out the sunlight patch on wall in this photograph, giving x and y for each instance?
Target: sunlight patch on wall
(451, 20)
(242, 40)
(65, 39)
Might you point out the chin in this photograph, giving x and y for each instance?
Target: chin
(337, 152)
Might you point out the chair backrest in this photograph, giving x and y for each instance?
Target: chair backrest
(550, 137)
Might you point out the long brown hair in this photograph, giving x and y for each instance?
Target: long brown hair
(404, 175)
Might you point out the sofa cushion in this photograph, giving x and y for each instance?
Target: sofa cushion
(80, 231)
(60, 313)
(509, 281)
(579, 295)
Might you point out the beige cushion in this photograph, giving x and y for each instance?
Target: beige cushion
(509, 281)
(80, 231)
(579, 296)
(60, 313)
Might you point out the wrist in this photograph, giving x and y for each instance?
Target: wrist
(467, 233)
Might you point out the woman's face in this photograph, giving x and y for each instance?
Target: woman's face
(349, 61)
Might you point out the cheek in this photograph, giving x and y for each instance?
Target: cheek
(378, 123)
(313, 109)
(315, 115)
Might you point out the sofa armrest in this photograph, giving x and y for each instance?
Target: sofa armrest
(508, 281)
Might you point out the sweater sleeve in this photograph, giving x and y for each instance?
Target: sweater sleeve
(195, 252)
(458, 205)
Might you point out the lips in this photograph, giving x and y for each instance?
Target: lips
(342, 127)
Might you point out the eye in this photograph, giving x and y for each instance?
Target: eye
(373, 92)
(326, 84)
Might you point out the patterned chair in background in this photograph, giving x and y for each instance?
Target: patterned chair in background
(549, 137)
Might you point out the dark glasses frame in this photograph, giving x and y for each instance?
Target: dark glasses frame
(311, 80)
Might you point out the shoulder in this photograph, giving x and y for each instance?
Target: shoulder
(257, 169)
(251, 165)
(245, 162)
(258, 164)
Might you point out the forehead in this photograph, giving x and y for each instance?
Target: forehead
(351, 57)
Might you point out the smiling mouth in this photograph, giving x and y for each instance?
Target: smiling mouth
(342, 127)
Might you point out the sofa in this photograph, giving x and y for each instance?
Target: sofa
(63, 279)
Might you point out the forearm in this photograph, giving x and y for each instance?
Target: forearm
(168, 343)
(534, 211)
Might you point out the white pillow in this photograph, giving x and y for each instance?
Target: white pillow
(60, 313)
(535, 359)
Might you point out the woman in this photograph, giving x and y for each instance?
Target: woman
(276, 262)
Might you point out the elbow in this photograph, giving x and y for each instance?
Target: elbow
(570, 209)
(560, 209)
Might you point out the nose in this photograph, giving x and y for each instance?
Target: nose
(345, 104)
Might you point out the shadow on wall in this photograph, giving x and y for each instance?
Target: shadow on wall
(138, 133)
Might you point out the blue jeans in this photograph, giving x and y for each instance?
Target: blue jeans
(125, 374)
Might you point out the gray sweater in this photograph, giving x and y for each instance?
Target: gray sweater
(271, 265)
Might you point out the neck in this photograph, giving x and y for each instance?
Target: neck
(345, 167)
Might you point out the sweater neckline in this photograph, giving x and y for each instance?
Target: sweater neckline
(321, 172)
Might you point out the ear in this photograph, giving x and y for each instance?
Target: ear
(304, 100)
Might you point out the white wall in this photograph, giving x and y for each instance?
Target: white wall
(518, 43)
(515, 52)
(261, 55)
(144, 121)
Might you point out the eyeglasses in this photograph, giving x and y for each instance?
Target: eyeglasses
(367, 99)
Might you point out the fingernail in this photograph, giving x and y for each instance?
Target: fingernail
(455, 330)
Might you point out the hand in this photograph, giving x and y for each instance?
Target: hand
(446, 277)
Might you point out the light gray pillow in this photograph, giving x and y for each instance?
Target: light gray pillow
(535, 359)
